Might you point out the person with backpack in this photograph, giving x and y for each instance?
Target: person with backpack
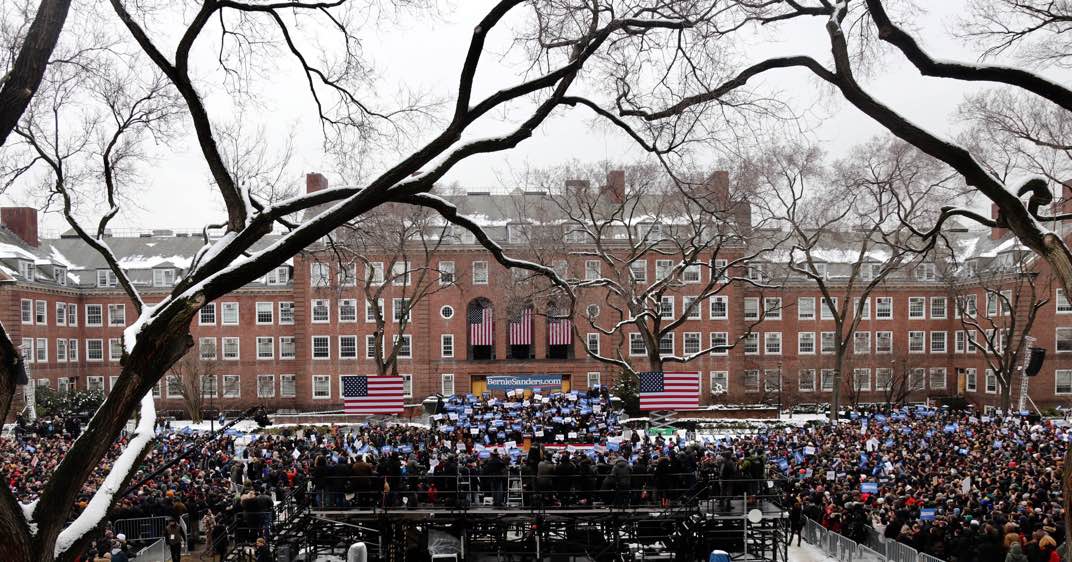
(174, 538)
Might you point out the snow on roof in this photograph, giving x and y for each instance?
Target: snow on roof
(139, 261)
(8, 251)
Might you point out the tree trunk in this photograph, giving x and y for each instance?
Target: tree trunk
(835, 397)
(1006, 396)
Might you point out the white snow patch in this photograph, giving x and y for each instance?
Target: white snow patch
(102, 499)
(57, 256)
(149, 262)
(808, 553)
(130, 334)
(28, 513)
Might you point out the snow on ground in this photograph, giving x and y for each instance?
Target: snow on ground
(808, 553)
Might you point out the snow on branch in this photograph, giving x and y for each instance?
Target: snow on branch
(122, 468)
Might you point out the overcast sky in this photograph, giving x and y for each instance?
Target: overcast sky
(425, 54)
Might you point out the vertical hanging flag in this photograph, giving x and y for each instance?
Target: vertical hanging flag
(480, 326)
(521, 329)
(371, 395)
(559, 331)
(669, 391)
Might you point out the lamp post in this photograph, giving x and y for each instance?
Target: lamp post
(780, 390)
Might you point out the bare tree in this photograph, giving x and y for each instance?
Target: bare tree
(25, 54)
(998, 329)
(191, 375)
(850, 226)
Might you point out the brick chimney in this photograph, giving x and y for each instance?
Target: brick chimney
(22, 221)
(718, 187)
(615, 185)
(315, 181)
(577, 184)
(996, 233)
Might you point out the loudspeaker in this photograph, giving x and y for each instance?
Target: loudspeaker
(1037, 355)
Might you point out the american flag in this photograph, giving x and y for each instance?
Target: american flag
(669, 391)
(559, 331)
(521, 329)
(371, 395)
(481, 330)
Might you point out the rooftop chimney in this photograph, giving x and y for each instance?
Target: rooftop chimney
(314, 182)
(22, 221)
(996, 232)
(615, 185)
(577, 184)
(718, 185)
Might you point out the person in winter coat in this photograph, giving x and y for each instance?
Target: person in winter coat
(619, 475)
(1016, 553)
(262, 553)
(1049, 549)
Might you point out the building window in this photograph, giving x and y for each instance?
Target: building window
(321, 311)
(917, 379)
(319, 275)
(967, 305)
(446, 384)
(480, 277)
(95, 384)
(691, 343)
(61, 314)
(666, 344)
(807, 380)
(720, 382)
(446, 345)
(883, 308)
(991, 382)
(94, 350)
(638, 270)
(592, 270)
(61, 350)
(806, 343)
(374, 273)
(772, 343)
(407, 386)
(690, 308)
(106, 278)
(938, 308)
(827, 343)
(938, 378)
(719, 343)
(829, 309)
(347, 347)
(286, 313)
(883, 378)
(232, 386)
(117, 315)
(207, 347)
(403, 347)
(321, 387)
(666, 307)
(400, 310)
(861, 379)
(806, 308)
(917, 308)
(72, 351)
(229, 313)
(156, 389)
(970, 382)
(230, 348)
(636, 345)
(691, 273)
(751, 343)
(28, 270)
(938, 342)
(719, 308)
(370, 346)
(26, 349)
(592, 380)
(27, 311)
(287, 349)
(916, 342)
(347, 275)
(750, 380)
(94, 315)
(446, 273)
(925, 272)
(751, 308)
(592, 340)
(321, 347)
(207, 316)
(41, 350)
(373, 310)
(163, 277)
(883, 342)
(265, 386)
(773, 308)
(861, 342)
(288, 386)
(347, 310)
(265, 313)
(265, 347)
(662, 269)
(826, 380)
(278, 276)
(400, 274)
(863, 308)
(41, 312)
(174, 387)
(115, 349)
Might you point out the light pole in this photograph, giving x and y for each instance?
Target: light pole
(780, 390)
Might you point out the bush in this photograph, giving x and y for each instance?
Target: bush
(627, 388)
(51, 402)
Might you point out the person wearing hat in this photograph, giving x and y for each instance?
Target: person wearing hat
(174, 538)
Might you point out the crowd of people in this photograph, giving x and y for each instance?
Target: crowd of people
(961, 487)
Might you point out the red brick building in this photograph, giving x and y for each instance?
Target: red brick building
(284, 341)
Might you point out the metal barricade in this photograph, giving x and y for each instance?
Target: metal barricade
(875, 541)
(846, 548)
(156, 552)
(900, 552)
(928, 558)
(865, 554)
(142, 528)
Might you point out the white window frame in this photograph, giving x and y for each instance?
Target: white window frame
(719, 301)
(271, 348)
(288, 386)
(313, 340)
(286, 318)
(922, 338)
(805, 308)
(801, 378)
(100, 315)
(446, 384)
(320, 311)
(944, 303)
(208, 308)
(237, 386)
(922, 303)
(261, 392)
(347, 313)
(878, 338)
(293, 342)
(224, 307)
(944, 339)
(446, 346)
(481, 275)
(806, 343)
(321, 393)
(883, 308)
(769, 339)
(717, 347)
(224, 344)
(265, 307)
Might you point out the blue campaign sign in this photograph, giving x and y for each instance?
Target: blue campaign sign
(927, 514)
(783, 465)
(511, 382)
(869, 487)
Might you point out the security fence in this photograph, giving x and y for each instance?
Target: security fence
(873, 549)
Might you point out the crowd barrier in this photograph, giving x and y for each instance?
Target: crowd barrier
(156, 552)
(144, 529)
(873, 549)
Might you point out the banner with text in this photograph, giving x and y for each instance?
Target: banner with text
(512, 382)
